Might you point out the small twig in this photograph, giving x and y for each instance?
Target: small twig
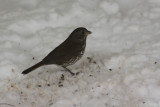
(6, 104)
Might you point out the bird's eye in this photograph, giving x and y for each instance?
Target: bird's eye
(83, 32)
(80, 37)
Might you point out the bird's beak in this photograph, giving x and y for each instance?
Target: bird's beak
(89, 32)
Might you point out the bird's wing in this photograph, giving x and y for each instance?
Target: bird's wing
(59, 54)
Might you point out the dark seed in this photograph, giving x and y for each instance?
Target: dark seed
(77, 73)
(94, 62)
(60, 85)
(89, 59)
(51, 104)
(39, 86)
(110, 69)
(62, 77)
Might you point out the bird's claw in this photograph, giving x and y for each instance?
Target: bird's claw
(74, 74)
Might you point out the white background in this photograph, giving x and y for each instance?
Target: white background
(123, 68)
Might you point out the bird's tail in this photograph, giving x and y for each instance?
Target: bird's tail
(32, 68)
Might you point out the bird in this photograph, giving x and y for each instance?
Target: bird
(67, 53)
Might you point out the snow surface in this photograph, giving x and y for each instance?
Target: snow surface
(121, 65)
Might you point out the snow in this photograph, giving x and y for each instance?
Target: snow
(121, 65)
(110, 8)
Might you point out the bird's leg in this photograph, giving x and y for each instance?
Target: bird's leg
(68, 70)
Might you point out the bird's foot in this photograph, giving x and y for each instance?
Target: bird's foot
(70, 71)
(74, 74)
(77, 73)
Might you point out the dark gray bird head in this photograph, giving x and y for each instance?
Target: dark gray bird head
(79, 34)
